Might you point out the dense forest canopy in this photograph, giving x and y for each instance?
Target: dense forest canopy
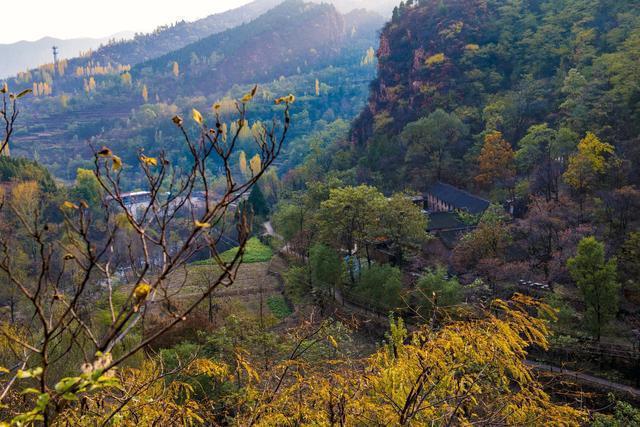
(505, 66)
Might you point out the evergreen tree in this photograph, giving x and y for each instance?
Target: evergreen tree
(429, 143)
(258, 202)
(326, 267)
(596, 278)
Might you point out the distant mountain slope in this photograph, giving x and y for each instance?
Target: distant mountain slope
(24, 55)
(125, 50)
(323, 57)
(172, 37)
(291, 38)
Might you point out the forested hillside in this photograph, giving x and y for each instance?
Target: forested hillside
(315, 218)
(506, 66)
(513, 125)
(312, 50)
(293, 38)
(168, 38)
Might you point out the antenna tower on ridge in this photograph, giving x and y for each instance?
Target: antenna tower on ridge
(55, 58)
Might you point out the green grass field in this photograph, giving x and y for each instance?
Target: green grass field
(255, 251)
(278, 306)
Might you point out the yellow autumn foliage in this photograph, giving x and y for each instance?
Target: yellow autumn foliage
(197, 116)
(255, 164)
(470, 372)
(590, 162)
(141, 400)
(436, 59)
(242, 163)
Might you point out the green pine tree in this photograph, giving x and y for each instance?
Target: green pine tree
(596, 278)
(258, 202)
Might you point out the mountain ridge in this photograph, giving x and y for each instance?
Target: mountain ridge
(307, 49)
(28, 54)
(317, 33)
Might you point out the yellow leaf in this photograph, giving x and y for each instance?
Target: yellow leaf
(22, 374)
(68, 205)
(151, 161)
(23, 93)
(117, 163)
(289, 99)
(141, 291)
(197, 116)
(202, 224)
(249, 95)
(333, 342)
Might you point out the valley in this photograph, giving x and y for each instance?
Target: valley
(328, 213)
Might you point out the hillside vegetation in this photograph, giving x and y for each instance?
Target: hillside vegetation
(311, 50)
(505, 66)
(437, 220)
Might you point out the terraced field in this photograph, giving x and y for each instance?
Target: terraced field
(254, 283)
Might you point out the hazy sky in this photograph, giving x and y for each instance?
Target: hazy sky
(34, 19)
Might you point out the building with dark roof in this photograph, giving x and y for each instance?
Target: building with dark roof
(441, 197)
(448, 227)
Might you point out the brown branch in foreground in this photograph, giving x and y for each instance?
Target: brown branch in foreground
(72, 266)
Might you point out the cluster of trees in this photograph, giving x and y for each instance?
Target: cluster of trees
(84, 363)
(42, 89)
(507, 67)
(431, 377)
(351, 239)
(531, 104)
(527, 105)
(95, 69)
(74, 318)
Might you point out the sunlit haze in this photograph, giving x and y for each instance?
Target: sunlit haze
(32, 20)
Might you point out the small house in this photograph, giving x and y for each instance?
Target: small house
(441, 197)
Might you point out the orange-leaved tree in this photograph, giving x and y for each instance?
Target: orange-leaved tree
(496, 161)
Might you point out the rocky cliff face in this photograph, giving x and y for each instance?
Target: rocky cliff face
(504, 65)
(423, 56)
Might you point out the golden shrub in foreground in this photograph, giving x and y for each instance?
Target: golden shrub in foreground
(143, 398)
(469, 372)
